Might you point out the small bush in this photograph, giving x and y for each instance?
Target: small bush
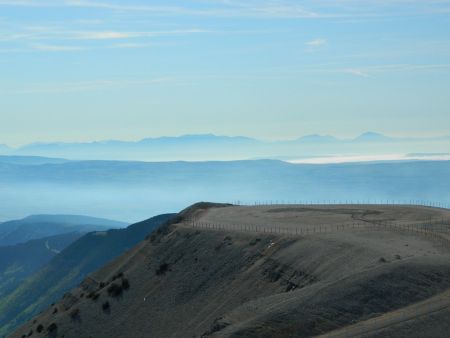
(105, 306)
(40, 328)
(118, 275)
(55, 310)
(102, 285)
(75, 314)
(125, 284)
(254, 241)
(30, 333)
(163, 267)
(115, 290)
(382, 260)
(52, 328)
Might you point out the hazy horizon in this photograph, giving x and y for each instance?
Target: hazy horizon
(173, 136)
(266, 69)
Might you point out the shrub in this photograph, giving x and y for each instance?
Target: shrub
(105, 306)
(55, 310)
(30, 333)
(125, 284)
(163, 267)
(115, 290)
(52, 328)
(118, 275)
(40, 328)
(254, 241)
(75, 314)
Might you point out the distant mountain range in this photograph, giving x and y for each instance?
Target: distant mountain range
(213, 147)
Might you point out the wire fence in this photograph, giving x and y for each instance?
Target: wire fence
(374, 202)
(437, 229)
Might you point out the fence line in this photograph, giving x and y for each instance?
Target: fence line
(375, 202)
(437, 229)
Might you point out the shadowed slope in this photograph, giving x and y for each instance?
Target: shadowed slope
(184, 282)
(69, 268)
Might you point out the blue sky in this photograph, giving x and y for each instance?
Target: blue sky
(90, 70)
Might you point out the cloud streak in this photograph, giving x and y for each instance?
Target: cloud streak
(257, 9)
(56, 48)
(73, 87)
(309, 9)
(316, 42)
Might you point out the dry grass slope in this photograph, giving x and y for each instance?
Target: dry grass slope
(225, 282)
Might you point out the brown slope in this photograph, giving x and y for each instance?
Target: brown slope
(186, 282)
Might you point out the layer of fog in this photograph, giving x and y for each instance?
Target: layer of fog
(136, 191)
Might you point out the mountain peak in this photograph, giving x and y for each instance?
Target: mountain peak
(371, 136)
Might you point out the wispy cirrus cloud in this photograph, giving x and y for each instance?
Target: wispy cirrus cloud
(58, 33)
(288, 9)
(118, 35)
(83, 86)
(393, 68)
(316, 42)
(262, 9)
(56, 48)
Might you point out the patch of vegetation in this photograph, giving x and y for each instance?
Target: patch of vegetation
(40, 328)
(218, 325)
(382, 260)
(291, 286)
(93, 295)
(52, 328)
(115, 290)
(30, 333)
(254, 241)
(163, 268)
(55, 310)
(105, 306)
(116, 276)
(75, 314)
(125, 284)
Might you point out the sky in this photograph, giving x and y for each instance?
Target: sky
(83, 70)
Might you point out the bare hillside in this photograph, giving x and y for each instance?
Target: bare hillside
(270, 271)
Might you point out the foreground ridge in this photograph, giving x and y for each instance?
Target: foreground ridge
(222, 270)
